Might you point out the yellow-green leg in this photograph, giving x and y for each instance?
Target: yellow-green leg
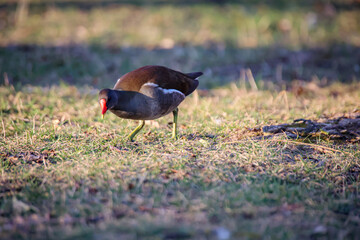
(136, 130)
(175, 132)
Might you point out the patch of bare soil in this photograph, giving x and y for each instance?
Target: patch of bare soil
(43, 158)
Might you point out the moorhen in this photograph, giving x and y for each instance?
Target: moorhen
(148, 93)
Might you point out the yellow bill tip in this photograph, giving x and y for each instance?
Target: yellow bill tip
(102, 116)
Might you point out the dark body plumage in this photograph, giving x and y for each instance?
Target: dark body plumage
(149, 92)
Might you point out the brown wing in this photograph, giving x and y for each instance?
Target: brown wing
(164, 77)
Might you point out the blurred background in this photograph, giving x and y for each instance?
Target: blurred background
(274, 43)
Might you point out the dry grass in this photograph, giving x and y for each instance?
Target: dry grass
(64, 169)
(67, 174)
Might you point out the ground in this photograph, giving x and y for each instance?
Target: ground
(234, 173)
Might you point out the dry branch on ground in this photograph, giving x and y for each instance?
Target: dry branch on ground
(342, 128)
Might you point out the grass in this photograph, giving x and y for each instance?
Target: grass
(66, 170)
(93, 45)
(273, 68)
(196, 24)
(68, 174)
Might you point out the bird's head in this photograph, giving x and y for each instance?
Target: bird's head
(107, 100)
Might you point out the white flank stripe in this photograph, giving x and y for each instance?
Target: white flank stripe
(170, 91)
(166, 91)
(151, 84)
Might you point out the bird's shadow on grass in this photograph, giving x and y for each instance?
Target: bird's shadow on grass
(153, 140)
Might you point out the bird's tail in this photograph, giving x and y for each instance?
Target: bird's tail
(194, 75)
(195, 83)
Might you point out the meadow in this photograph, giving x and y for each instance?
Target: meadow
(68, 174)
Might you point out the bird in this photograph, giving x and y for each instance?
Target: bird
(148, 93)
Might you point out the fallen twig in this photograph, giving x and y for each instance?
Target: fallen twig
(307, 144)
